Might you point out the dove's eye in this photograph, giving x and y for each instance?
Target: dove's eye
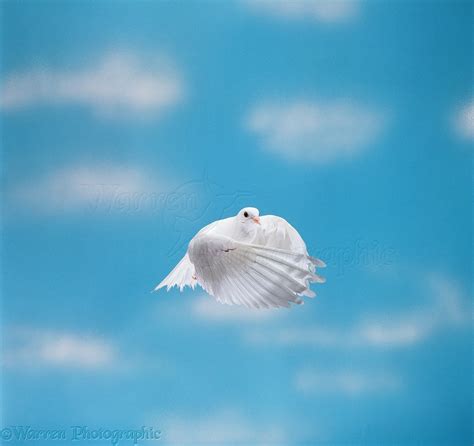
(246, 214)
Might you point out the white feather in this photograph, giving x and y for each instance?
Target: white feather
(242, 263)
(181, 276)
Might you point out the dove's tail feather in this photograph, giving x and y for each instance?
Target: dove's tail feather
(181, 276)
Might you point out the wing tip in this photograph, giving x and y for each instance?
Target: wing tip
(159, 286)
(164, 284)
(316, 278)
(308, 293)
(317, 262)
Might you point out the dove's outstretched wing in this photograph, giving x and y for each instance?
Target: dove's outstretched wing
(252, 275)
(278, 233)
(181, 276)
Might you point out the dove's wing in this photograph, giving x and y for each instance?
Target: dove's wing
(183, 273)
(251, 275)
(181, 276)
(278, 233)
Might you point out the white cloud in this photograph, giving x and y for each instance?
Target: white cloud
(227, 426)
(209, 310)
(403, 331)
(346, 382)
(119, 85)
(326, 11)
(448, 309)
(310, 336)
(318, 132)
(106, 187)
(451, 308)
(464, 121)
(45, 348)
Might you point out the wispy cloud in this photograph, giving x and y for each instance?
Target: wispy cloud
(32, 348)
(101, 187)
(208, 309)
(227, 426)
(121, 84)
(448, 309)
(309, 336)
(317, 132)
(326, 11)
(464, 121)
(310, 381)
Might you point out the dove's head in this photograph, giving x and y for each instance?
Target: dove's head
(249, 218)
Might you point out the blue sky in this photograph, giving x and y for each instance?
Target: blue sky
(127, 126)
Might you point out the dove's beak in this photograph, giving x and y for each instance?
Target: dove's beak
(256, 220)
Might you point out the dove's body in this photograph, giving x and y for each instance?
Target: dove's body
(243, 263)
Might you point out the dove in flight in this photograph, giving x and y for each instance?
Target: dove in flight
(258, 262)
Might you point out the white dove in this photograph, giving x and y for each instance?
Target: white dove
(259, 262)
